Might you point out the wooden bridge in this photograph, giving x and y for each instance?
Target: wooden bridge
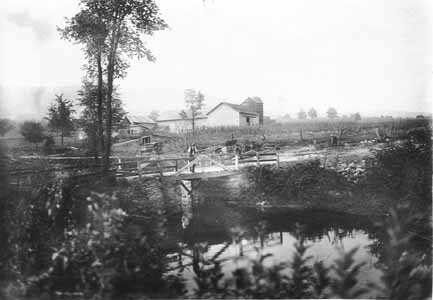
(202, 166)
(177, 168)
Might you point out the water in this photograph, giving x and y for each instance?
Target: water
(231, 234)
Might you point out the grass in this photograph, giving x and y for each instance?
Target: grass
(298, 132)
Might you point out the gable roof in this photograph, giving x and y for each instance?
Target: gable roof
(239, 108)
(139, 119)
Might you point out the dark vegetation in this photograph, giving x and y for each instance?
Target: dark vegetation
(64, 237)
(61, 239)
(60, 117)
(33, 132)
(400, 172)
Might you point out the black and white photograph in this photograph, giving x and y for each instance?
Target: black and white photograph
(216, 149)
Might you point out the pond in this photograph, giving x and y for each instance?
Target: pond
(214, 229)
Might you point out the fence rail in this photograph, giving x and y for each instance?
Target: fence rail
(157, 166)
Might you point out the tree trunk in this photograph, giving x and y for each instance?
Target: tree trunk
(95, 147)
(110, 78)
(100, 129)
(109, 121)
(61, 138)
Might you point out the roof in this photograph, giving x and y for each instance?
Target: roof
(239, 108)
(139, 119)
(253, 99)
(171, 115)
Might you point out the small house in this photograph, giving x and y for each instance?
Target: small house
(136, 126)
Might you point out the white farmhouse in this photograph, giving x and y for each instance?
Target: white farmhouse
(229, 114)
(248, 113)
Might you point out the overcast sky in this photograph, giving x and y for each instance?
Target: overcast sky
(370, 56)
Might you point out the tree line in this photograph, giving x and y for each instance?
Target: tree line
(331, 113)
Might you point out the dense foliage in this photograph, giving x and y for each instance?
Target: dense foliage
(60, 116)
(88, 99)
(5, 126)
(404, 171)
(32, 131)
(111, 33)
(60, 239)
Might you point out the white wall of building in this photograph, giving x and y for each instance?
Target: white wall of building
(223, 116)
(248, 120)
(181, 125)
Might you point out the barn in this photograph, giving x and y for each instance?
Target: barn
(229, 114)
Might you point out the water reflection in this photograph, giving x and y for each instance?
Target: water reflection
(186, 203)
(216, 231)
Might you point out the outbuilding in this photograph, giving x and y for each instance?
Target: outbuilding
(229, 114)
(135, 126)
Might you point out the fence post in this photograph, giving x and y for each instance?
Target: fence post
(160, 169)
(119, 161)
(139, 169)
(258, 158)
(176, 164)
(278, 160)
(237, 162)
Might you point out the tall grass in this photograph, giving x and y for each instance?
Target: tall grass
(296, 131)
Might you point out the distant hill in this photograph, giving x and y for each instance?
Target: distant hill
(31, 102)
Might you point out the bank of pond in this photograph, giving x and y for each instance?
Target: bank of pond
(296, 231)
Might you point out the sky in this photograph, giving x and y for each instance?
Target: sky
(367, 56)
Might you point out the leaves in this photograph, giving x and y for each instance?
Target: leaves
(32, 131)
(60, 116)
(302, 272)
(344, 285)
(320, 280)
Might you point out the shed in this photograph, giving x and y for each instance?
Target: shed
(229, 114)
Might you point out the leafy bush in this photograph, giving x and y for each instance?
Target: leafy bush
(105, 257)
(304, 181)
(404, 171)
(32, 131)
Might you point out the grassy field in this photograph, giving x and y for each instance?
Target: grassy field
(297, 132)
(303, 132)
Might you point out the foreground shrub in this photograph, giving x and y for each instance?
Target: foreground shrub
(105, 257)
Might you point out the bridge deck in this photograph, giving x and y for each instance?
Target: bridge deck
(202, 175)
(206, 166)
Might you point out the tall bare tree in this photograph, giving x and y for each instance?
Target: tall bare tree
(194, 101)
